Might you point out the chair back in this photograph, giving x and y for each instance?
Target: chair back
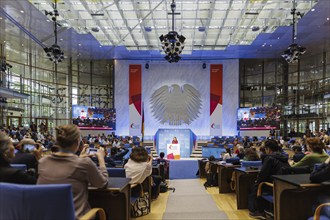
(251, 163)
(19, 166)
(30, 202)
(116, 172)
(233, 160)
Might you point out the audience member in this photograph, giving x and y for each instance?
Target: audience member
(273, 164)
(139, 167)
(162, 160)
(318, 154)
(251, 155)
(298, 154)
(227, 155)
(66, 167)
(7, 173)
(27, 156)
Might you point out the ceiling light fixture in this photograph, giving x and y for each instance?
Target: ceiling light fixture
(294, 51)
(54, 52)
(172, 43)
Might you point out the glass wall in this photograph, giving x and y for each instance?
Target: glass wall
(53, 89)
(301, 89)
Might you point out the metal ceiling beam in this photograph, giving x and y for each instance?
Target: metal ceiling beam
(223, 24)
(83, 2)
(138, 15)
(212, 4)
(154, 24)
(127, 26)
(195, 24)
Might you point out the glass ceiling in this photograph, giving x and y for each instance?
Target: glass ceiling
(207, 25)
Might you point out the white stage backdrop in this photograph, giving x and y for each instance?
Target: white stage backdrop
(184, 72)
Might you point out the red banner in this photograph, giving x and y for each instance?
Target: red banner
(215, 86)
(216, 99)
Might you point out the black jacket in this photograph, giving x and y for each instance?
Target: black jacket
(272, 165)
(321, 174)
(10, 174)
(297, 157)
(120, 155)
(26, 158)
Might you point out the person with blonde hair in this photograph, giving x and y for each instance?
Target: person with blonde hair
(65, 167)
(318, 154)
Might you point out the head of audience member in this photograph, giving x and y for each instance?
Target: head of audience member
(25, 141)
(6, 148)
(315, 145)
(114, 151)
(211, 158)
(162, 155)
(68, 137)
(271, 146)
(241, 149)
(251, 155)
(139, 154)
(228, 150)
(96, 143)
(297, 149)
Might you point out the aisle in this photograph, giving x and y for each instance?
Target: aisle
(191, 201)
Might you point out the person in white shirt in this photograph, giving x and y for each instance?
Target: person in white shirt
(139, 166)
(227, 155)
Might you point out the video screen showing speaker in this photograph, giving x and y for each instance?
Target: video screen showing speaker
(258, 118)
(89, 117)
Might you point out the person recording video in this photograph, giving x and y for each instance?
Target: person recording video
(28, 152)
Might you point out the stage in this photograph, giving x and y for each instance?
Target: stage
(185, 168)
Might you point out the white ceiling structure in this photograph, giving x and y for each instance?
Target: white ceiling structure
(210, 25)
(126, 28)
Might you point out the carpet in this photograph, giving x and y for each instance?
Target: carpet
(191, 201)
(183, 169)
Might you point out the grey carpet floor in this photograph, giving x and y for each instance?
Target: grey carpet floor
(191, 201)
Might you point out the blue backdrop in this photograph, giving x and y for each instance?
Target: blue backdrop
(186, 139)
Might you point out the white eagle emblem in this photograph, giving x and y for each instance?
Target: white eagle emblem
(176, 105)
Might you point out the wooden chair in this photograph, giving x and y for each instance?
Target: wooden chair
(267, 197)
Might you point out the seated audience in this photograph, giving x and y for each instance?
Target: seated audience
(207, 165)
(321, 173)
(65, 166)
(251, 155)
(211, 177)
(273, 164)
(26, 156)
(7, 173)
(318, 154)
(162, 160)
(240, 152)
(118, 153)
(227, 155)
(139, 167)
(298, 154)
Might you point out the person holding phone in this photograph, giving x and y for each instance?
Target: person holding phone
(28, 152)
(7, 173)
(65, 167)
